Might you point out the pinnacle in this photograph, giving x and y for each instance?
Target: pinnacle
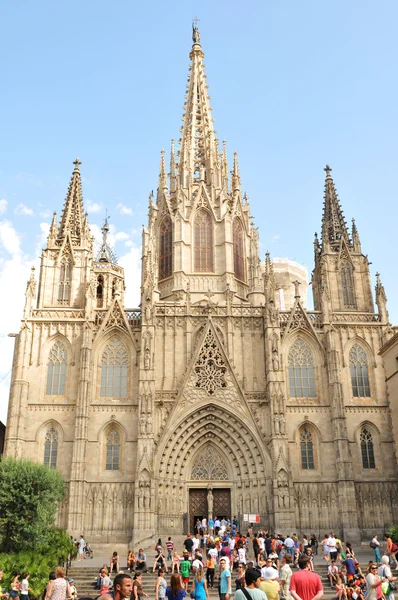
(72, 215)
(334, 227)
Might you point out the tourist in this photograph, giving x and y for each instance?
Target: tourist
(188, 543)
(175, 591)
(159, 546)
(25, 586)
(199, 586)
(160, 562)
(375, 544)
(211, 526)
(73, 590)
(285, 576)
(131, 560)
(325, 547)
(252, 580)
(256, 547)
(138, 590)
(240, 580)
(313, 543)
(225, 588)
(59, 588)
(114, 563)
(332, 547)
(269, 563)
(105, 582)
(270, 584)
(197, 562)
(391, 549)
(15, 586)
(195, 544)
(122, 588)
(169, 548)
(210, 570)
(217, 525)
(175, 563)
(3, 593)
(350, 566)
(51, 577)
(141, 561)
(161, 585)
(333, 572)
(340, 589)
(373, 583)
(185, 569)
(104, 569)
(305, 585)
(384, 571)
(81, 545)
(308, 553)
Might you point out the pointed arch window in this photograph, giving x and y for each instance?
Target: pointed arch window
(359, 372)
(306, 449)
(65, 279)
(114, 370)
(51, 448)
(367, 449)
(166, 249)
(56, 370)
(239, 260)
(203, 242)
(100, 291)
(301, 370)
(347, 284)
(112, 450)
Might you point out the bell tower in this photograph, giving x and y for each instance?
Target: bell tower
(340, 266)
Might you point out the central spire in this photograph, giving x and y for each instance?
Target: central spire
(334, 227)
(198, 148)
(72, 219)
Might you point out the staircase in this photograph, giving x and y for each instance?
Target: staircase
(85, 579)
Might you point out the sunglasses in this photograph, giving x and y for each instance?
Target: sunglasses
(373, 568)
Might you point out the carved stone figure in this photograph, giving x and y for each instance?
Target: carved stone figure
(147, 358)
(275, 360)
(210, 503)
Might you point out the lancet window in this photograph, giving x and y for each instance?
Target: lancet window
(347, 284)
(114, 370)
(51, 448)
(100, 291)
(367, 449)
(301, 370)
(112, 450)
(166, 249)
(56, 370)
(203, 242)
(239, 260)
(306, 449)
(359, 372)
(65, 280)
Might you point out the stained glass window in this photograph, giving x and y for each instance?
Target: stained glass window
(112, 451)
(301, 370)
(347, 283)
(114, 370)
(307, 449)
(51, 448)
(239, 260)
(100, 291)
(359, 372)
(166, 249)
(65, 278)
(203, 242)
(56, 370)
(367, 450)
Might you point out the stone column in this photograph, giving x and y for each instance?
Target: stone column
(78, 468)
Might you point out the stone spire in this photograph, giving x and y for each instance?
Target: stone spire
(356, 242)
(72, 215)
(53, 232)
(198, 152)
(106, 253)
(269, 279)
(162, 185)
(334, 227)
(381, 300)
(235, 182)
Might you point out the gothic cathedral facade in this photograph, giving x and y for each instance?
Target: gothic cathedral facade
(210, 384)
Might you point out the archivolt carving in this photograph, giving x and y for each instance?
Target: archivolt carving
(209, 465)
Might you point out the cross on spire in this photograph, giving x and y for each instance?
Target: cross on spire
(77, 162)
(327, 170)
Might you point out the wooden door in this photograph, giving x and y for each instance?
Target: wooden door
(222, 503)
(197, 506)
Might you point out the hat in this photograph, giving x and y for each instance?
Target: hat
(70, 581)
(252, 575)
(270, 573)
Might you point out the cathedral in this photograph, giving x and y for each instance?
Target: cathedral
(214, 397)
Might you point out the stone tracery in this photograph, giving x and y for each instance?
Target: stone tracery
(210, 368)
(209, 465)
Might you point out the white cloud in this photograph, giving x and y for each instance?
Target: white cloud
(124, 210)
(92, 207)
(3, 206)
(9, 239)
(23, 210)
(45, 214)
(131, 263)
(276, 236)
(121, 236)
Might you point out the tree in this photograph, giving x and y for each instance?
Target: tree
(29, 496)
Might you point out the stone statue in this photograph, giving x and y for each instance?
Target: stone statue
(210, 503)
(275, 360)
(147, 359)
(276, 423)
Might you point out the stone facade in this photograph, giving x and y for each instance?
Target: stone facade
(210, 392)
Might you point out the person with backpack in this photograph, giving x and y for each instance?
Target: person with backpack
(375, 544)
(384, 571)
(251, 591)
(391, 549)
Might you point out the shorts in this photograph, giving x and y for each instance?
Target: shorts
(185, 579)
(350, 577)
(333, 555)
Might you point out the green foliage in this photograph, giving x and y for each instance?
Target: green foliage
(393, 533)
(29, 495)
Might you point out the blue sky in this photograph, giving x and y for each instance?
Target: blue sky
(293, 85)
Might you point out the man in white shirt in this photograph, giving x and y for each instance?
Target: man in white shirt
(196, 542)
(242, 555)
(332, 547)
(197, 562)
(266, 572)
(333, 572)
(289, 543)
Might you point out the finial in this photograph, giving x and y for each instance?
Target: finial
(328, 170)
(106, 253)
(296, 289)
(195, 31)
(77, 162)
